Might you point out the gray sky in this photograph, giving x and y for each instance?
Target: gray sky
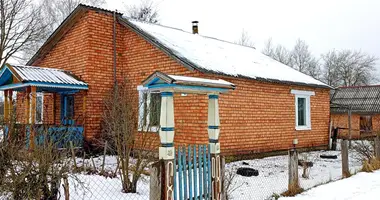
(323, 24)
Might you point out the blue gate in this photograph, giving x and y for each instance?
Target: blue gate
(192, 179)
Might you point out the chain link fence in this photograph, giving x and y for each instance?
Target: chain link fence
(91, 179)
(271, 179)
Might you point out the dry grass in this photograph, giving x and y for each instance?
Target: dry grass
(371, 165)
(293, 190)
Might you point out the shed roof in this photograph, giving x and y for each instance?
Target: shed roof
(360, 99)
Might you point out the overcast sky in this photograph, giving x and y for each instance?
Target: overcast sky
(323, 24)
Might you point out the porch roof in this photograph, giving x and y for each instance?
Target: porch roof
(159, 81)
(17, 77)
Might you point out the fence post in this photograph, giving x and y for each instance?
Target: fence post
(345, 167)
(223, 173)
(155, 181)
(293, 170)
(377, 147)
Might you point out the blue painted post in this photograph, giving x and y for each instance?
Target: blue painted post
(184, 172)
(190, 173)
(205, 163)
(180, 185)
(195, 172)
(200, 171)
(209, 172)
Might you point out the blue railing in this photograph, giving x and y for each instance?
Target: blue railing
(192, 179)
(61, 136)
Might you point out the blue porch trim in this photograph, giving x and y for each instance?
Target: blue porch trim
(47, 85)
(213, 96)
(167, 128)
(167, 145)
(213, 127)
(201, 88)
(166, 94)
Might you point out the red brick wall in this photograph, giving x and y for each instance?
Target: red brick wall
(256, 117)
(341, 121)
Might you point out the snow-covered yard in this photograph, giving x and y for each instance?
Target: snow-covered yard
(273, 174)
(272, 179)
(360, 186)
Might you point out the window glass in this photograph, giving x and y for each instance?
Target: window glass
(39, 107)
(301, 102)
(366, 123)
(149, 110)
(154, 109)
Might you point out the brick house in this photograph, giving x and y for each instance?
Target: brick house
(271, 105)
(363, 103)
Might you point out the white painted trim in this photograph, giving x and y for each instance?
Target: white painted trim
(144, 127)
(302, 92)
(308, 112)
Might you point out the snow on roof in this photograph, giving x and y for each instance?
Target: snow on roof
(223, 57)
(47, 75)
(200, 80)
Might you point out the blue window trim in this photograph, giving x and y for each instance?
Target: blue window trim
(64, 101)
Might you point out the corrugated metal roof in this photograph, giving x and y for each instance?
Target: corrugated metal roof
(363, 99)
(46, 75)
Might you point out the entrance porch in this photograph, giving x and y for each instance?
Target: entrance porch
(32, 97)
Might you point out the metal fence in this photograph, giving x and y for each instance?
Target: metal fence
(269, 178)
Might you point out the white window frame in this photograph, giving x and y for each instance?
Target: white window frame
(306, 95)
(41, 95)
(144, 127)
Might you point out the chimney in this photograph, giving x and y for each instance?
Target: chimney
(195, 27)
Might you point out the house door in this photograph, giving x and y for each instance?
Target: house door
(67, 109)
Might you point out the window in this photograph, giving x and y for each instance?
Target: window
(39, 108)
(302, 108)
(365, 124)
(149, 110)
(67, 109)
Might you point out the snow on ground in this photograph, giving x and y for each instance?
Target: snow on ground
(360, 186)
(272, 179)
(273, 174)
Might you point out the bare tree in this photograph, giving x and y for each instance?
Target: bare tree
(304, 61)
(245, 39)
(53, 13)
(278, 52)
(145, 11)
(135, 150)
(348, 68)
(21, 26)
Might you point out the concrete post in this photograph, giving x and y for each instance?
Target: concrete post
(345, 166)
(155, 181)
(166, 150)
(293, 170)
(213, 135)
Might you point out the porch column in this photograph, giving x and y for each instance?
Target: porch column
(166, 150)
(10, 104)
(33, 115)
(213, 135)
(6, 106)
(27, 105)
